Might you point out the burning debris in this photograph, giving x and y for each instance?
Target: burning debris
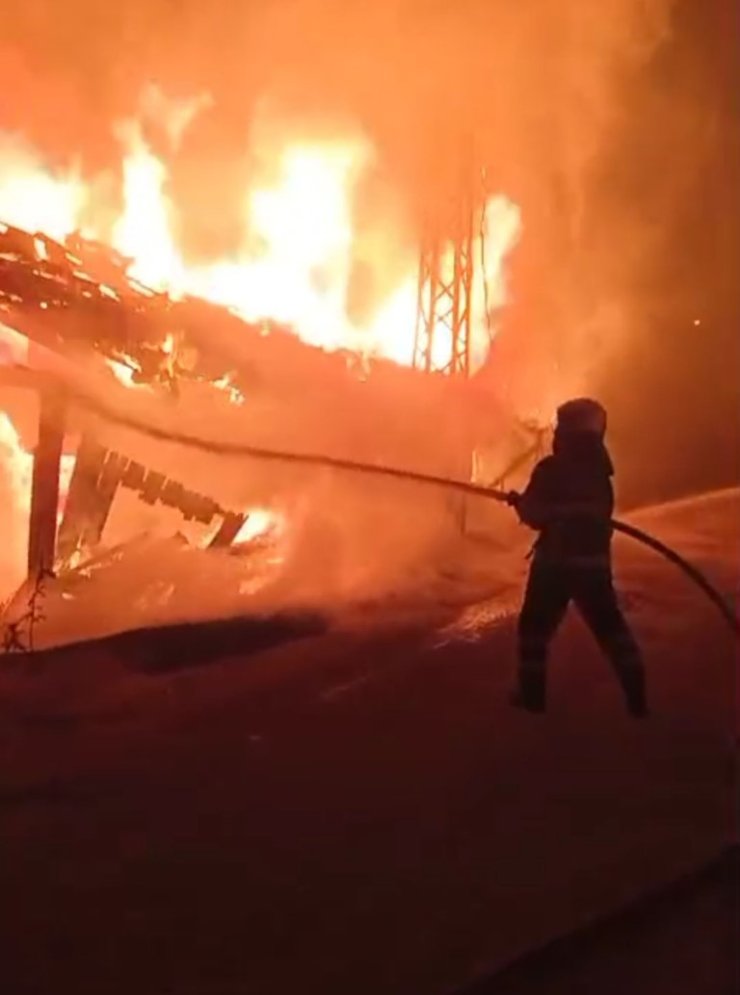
(116, 290)
(301, 257)
(55, 293)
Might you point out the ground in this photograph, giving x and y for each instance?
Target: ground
(286, 805)
(682, 940)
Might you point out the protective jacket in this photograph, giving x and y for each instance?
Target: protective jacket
(570, 501)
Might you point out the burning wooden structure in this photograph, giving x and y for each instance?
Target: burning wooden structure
(76, 300)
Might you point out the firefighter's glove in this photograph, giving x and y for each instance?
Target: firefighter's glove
(513, 498)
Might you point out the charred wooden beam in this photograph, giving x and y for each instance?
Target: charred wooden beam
(97, 475)
(81, 499)
(110, 477)
(230, 529)
(152, 487)
(42, 531)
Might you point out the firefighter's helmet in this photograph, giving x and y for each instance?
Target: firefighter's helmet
(582, 415)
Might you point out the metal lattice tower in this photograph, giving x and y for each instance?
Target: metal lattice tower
(443, 316)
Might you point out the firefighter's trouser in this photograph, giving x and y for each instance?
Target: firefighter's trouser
(550, 589)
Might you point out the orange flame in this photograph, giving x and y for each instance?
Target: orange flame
(295, 258)
(33, 197)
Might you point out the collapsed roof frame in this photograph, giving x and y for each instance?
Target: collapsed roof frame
(81, 292)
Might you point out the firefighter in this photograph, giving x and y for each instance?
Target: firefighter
(569, 501)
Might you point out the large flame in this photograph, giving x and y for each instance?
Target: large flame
(299, 240)
(33, 197)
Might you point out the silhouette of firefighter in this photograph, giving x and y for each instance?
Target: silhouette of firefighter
(569, 501)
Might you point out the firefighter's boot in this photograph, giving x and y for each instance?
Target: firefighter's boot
(530, 693)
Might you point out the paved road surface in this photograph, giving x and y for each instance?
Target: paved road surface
(682, 941)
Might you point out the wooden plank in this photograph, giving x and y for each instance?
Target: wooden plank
(230, 529)
(108, 483)
(81, 498)
(42, 531)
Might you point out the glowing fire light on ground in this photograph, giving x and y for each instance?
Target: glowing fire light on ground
(298, 245)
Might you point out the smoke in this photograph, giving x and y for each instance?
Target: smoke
(535, 85)
(535, 91)
(565, 102)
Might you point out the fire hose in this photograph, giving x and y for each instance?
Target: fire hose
(225, 448)
(412, 476)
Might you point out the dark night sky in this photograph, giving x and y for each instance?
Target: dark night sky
(685, 379)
